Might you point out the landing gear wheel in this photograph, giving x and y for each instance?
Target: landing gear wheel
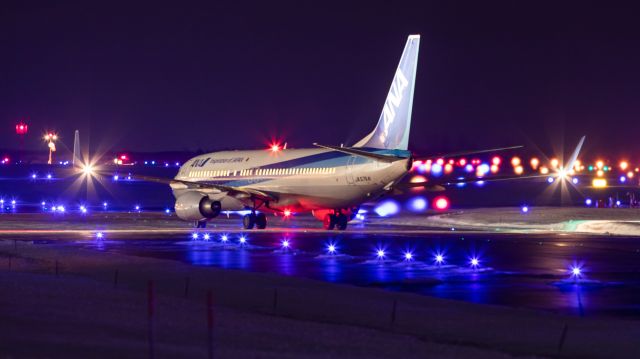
(341, 222)
(248, 221)
(261, 221)
(329, 222)
(201, 224)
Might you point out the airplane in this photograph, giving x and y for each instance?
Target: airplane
(331, 182)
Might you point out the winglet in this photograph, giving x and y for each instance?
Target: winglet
(574, 155)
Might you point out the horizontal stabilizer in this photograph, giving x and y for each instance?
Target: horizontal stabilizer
(365, 154)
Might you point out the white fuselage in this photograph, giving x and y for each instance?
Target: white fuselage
(300, 179)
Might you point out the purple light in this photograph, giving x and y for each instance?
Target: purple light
(285, 244)
(49, 176)
(483, 169)
(550, 179)
(418, 204)
(588, 201)
(387, 208)
(408, 256)
(574, 180)
(468, 168)
(137, 208)
(99, 235)
(167, 211)
(116, 177)
(331, 248)
(623, 179)
(524, 209)
(436, 169)
(34, 176)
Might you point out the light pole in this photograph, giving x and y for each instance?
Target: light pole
(51, 139)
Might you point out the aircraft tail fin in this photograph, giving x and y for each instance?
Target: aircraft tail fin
(392, 131)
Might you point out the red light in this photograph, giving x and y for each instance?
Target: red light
(463, 162)
(287, 213)
(123, 157)
(496, 160)
(440, 161)
(441, 203)
(21, 128)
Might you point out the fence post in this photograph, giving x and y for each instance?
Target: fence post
(115, 278)
(393, 312)
(275, 301)
(210, 322)
(563, 336)
(150, 313)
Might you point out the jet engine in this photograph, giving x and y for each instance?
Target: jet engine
(195, 206)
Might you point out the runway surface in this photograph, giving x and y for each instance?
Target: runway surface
(518, 270)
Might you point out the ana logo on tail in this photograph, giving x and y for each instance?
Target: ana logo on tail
(394, 98)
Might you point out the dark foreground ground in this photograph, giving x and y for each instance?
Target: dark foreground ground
(65, 294)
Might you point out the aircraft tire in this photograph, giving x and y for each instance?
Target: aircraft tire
(248, 221)
(329, 222)
(261, 221)
(341, 222)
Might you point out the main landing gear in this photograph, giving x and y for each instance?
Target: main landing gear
(336, 220)
(252, 219)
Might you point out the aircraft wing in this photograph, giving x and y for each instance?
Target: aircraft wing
(473, 152)
(235, 191)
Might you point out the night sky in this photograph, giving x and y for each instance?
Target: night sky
(188, 76)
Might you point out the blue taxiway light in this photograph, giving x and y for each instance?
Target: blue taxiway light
(524, 209)
(242, 240)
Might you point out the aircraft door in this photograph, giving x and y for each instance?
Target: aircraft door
(350, 165)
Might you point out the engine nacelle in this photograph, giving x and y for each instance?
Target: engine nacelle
(195, 206)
